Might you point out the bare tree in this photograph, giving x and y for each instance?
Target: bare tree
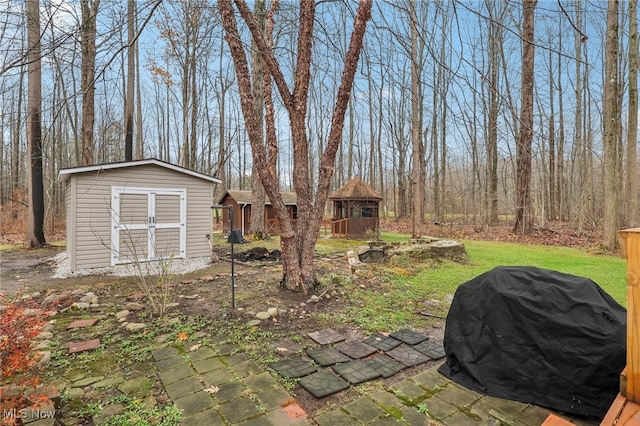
(297, 242)
(611, 128)
(35, 226)
(130, 92)
(524, 212)
(417, 48)
(258, 196)
(88, 84)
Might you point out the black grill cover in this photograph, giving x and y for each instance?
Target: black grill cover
(537, 336)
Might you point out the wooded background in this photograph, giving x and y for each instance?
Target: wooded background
(440, 102)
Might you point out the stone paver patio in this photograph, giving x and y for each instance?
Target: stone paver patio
(217, 386)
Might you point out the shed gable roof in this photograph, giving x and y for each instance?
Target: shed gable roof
(66, 173)
(244, 197)
(356, 189)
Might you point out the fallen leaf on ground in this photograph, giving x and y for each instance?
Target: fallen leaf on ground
(212, 389)
(195, 347)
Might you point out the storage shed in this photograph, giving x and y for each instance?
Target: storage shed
(136, 211)
(241, 203)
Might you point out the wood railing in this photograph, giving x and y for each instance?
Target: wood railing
(630, 245)
(354, 226)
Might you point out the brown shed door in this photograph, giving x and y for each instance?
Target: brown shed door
(148, 224)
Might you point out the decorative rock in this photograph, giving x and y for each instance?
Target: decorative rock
(80, 305)
(263, 315)
(254, 323)
(32, 312)
(89, 298)
(138, 387)
(149, 402)
(45, 335)
(133, 306)
(77, 292)
(108, 382)
(313, 299)
(43, 345)
(74, 393)
(163, 338)
(134, 326)
(302, 304)
(45, 357)
(273, 312)
(122, 314)
(86, 382)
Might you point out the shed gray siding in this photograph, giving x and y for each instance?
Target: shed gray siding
(89, 210)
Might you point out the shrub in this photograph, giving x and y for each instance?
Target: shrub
(20, 323)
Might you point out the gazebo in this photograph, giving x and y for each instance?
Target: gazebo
(355, 210)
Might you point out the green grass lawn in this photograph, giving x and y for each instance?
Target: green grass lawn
(608, 271)
(405, 294)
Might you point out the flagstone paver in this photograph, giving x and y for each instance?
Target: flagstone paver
(210, 417)
(169, 363)
(201, 354)
(183, 387)
(336, 417)
(327, 336)
(76, 347)
(274, 398)
(326, 356)
(364, 409)
(260, 381)
(217, 377)
(407, 355)
(357, 371)
(293, 368)
(83, 323)
(229, 391)
(176, 373)
(382, 342)
(163, 353)
(323, 383)
(194, 403)
(208, 364)
(409, 337)
(239, 409)
(355, 349)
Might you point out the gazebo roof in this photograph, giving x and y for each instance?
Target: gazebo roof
(355, 189)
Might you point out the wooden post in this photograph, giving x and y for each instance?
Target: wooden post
(630, 244)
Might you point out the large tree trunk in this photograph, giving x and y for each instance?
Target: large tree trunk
(88, 47)
(297, 242)
(524, 211)
(416, 122)
(257, 226)
(35, 219)
(611, 128)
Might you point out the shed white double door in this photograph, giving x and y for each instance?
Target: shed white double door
(147, 224)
